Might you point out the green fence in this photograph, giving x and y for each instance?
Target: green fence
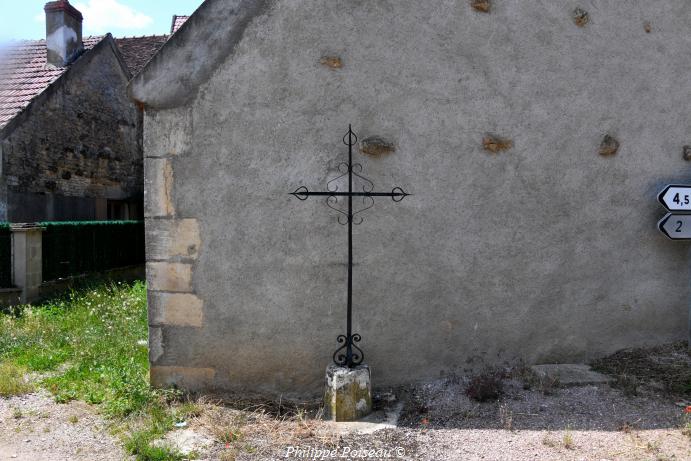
(81, 247)
(5, 256)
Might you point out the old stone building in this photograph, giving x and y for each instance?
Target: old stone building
(534, 143)
(70, 138)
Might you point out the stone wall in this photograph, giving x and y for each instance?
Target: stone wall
(76, 146)
(534, 143)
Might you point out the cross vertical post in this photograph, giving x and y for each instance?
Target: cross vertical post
(348, 354)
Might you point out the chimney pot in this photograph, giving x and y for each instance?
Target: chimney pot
(63, 33)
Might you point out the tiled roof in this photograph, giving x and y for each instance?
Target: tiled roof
(137, 51)
(178, 21)
(23, 74)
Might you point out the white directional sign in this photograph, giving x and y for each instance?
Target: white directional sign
(676, 198)
(676, 226)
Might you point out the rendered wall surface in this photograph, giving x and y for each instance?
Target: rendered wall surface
(546, 252)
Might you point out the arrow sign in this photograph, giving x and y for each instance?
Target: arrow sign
(676, 226)
(676, 197)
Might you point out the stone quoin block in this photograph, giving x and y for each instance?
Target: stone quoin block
(165, 276)
(155, 344)
(172, 238)
(179, 309)
(188, 378)
(168, 133)
(158, 188)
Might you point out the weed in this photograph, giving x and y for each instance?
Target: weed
(16, 413)
(228, 435)
(73, 419)
(12, 380)
(687, 430)
(549, 442)
(628, 385)
(486, 386)
(567, 440)
(506, 417)
(228, 455)
(652, 446)
(140, 446)
(625, 427)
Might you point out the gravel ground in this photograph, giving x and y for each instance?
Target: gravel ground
(33, 427)
(590, 422)
(529, 421)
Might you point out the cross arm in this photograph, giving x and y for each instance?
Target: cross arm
(303, 193)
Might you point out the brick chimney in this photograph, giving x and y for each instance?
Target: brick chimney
(63, 32)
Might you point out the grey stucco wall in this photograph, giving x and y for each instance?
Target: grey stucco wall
(77, 143)
(544, 252)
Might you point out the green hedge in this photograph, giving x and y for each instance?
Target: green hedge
(79, 247)
(5, 256)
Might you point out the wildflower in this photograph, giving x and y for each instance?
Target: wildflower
(687, 410)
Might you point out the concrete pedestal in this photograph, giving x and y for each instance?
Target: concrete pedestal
(348, 393)
(27, 261)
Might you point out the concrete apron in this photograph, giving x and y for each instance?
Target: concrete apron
(348, 393)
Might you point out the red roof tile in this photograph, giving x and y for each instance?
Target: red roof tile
(178, 21)
(24, 74)
(137, 51)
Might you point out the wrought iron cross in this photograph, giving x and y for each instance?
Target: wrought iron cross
(348, 354)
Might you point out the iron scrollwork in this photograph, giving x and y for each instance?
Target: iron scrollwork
(349, 354)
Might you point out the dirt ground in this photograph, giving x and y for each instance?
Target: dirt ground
(33, 427)
(640, 416)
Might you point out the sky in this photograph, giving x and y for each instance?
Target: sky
(25, 19)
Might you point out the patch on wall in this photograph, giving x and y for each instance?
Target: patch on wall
(482, 6)
(608, 146)
(332, 62)
(494, 144)
(376, 146)
(580, 17)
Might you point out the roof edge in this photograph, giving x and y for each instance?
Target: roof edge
(118, 56)
(172, 77)
(83, 60)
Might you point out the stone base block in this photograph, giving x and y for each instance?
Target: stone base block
(348, 394)
(570, 374)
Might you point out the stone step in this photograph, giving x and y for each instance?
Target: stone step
(570, 374)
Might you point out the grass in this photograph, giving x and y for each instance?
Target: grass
(91, 345)
(12, 380)
(87, 343)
